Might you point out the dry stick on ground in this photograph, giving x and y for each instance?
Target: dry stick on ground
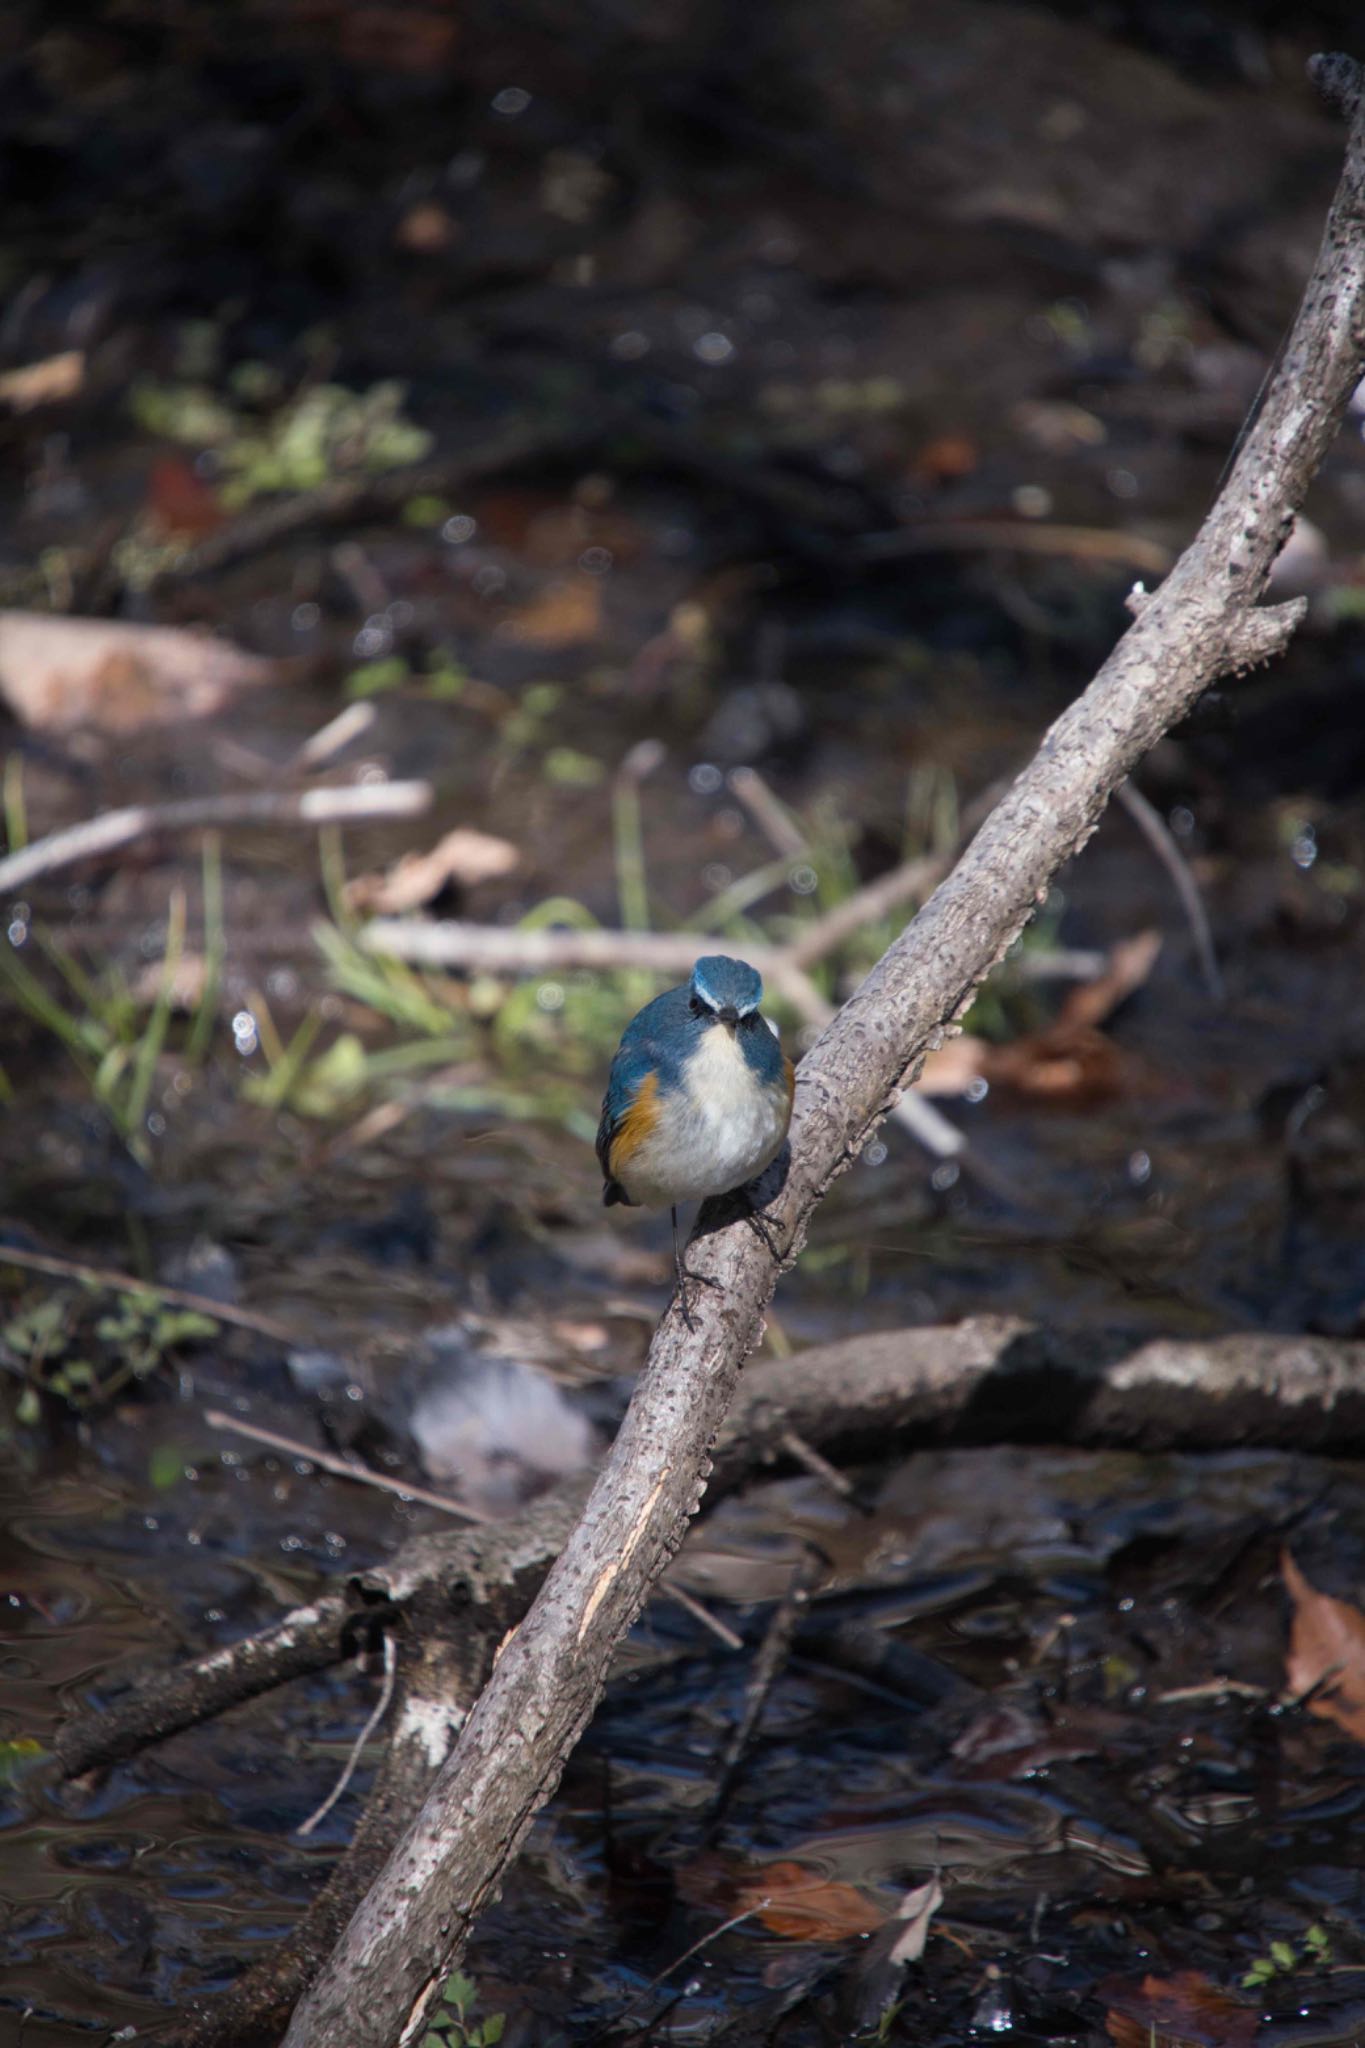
(388, 1969)
(82, 1275)
(96, 838)
(344, 1468)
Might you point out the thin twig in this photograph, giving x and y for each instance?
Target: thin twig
(769, 813)
(1159, 837)
(96, 838)
(506, 949)
(1211, 1689)
(772, 1656)
(682, 1598)
(343, 1467)
(726, 1927)
(331, 739)
(805, 1455)
(128, 1283)
(381, 1707)
(949, 536)
(909, 882)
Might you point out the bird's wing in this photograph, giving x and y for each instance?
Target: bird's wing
(649, 1052)
(628, 1112)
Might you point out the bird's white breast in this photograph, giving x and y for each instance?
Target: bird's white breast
(719, 1129)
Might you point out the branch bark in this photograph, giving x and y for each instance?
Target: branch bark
(390, 1964)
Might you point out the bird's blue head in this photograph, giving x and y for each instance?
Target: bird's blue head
(728, 990)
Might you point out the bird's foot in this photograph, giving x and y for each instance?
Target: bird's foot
(687, 1278)
(765, 1231)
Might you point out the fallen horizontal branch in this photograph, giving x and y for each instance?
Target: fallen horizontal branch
(389, 1967)
(991, 1379)
(308, 1639)
(96, 838)
(493, 1567)
(999, 1379)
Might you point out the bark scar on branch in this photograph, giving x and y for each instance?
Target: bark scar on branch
(630, 1543)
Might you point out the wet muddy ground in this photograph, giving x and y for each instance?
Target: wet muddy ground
(853, 387)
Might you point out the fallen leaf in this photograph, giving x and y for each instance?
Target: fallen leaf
(1326, 1650)
(916, 1909)
(795, 1901)
(426, 228)
(1002, 1741)
(945, 459)
(1072, 1061)
(464, 857)
(46, 383)
(1130, 963)
(179, 501)
(64, 675)
(1184, 2011)
(790, 1898)
(189, 983)
(564, 614)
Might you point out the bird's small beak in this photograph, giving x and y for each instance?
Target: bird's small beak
(729, 1015)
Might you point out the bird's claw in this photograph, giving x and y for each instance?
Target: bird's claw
(687, 1277)
(764, 1231)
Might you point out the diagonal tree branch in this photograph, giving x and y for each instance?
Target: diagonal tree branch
(393, 1958)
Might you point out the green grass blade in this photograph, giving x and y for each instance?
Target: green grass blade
(154, 1037)
(215, 950)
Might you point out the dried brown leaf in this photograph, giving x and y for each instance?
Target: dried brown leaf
(1326, 1650)
(1130, 963)
(564, 614)
(1184, 2011)
(64, 675)
(46, 383)
(464, 857)
(793, 1900)
(179, 501)
(1071, 1063)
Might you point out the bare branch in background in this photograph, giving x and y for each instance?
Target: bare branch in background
(356, 804)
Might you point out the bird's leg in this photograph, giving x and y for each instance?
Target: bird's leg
(680, 1273)
(683, 1273)
(762, 1228)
